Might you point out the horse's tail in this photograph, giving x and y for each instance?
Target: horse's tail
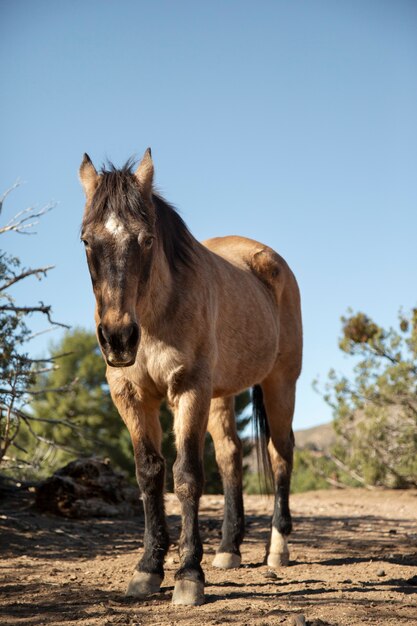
(262, 436)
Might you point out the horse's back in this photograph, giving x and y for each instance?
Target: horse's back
(259, 260)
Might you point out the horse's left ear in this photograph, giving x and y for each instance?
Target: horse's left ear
(88, 176)
(144, 173)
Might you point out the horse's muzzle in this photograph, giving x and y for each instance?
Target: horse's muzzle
(119, 344)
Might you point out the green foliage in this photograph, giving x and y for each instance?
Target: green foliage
(82, 421)
(15, 365)
(254, 484)
(310, 471)
(316, 469)
(18, 372)
(376, 412)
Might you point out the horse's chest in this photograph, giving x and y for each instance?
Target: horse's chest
(155, 366)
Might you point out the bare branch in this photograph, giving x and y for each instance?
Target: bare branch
(51, 359)
(42, 308)
(23, 221)
(7, 192)
(30, 272)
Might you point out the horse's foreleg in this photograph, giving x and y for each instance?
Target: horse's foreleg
(150, 472)
(145, 431)
(279, 397)
(228, 447)
(190, 426)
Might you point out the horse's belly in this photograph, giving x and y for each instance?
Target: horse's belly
(245, 355)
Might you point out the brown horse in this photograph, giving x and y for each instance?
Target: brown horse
(195, 324)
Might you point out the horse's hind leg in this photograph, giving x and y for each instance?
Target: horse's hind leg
(222, 428)
(279, 398)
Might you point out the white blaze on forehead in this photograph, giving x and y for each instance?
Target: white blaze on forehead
(114, 226)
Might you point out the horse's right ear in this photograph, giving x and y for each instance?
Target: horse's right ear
(88, 176)
(144, 173)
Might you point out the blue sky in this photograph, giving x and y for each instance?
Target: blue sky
(289, 122)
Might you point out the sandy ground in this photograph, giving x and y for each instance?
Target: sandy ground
(353, 561)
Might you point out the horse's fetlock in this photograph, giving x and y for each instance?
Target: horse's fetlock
(193, 572)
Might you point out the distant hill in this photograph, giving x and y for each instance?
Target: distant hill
(315, 438)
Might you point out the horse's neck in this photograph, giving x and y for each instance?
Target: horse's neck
(160, 300)
(157, 293)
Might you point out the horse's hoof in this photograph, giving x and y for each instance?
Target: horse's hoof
(188, 592)
(227, 560)
(278, 560)
(144, 584)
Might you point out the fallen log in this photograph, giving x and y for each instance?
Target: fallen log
(88, 488)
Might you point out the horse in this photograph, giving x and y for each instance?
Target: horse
(194, 324)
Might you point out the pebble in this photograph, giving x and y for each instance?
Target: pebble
(271, 575)
(380, 572)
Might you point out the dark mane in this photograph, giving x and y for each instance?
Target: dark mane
(118, 193)
(177, 241)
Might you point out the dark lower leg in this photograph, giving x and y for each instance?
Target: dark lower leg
(150, 474)
(222, 427)
(281, 518)
(233, 528)
(188, 480)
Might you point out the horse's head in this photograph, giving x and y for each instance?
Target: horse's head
(118, 232)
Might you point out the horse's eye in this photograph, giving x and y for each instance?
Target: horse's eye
(148, 242)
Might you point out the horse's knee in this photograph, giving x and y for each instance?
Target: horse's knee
(188, 478)
(150, 470)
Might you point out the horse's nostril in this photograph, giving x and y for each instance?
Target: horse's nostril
(119, 339)
(103, 336)
(134, 334)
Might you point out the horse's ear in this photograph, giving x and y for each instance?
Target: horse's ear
(144, 173)
(88, 176)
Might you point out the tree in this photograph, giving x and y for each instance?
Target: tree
(18, 371)
(87, 420)
(376, 412)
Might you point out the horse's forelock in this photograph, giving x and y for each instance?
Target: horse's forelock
(118, 194)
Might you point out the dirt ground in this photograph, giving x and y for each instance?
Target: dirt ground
(353, 561)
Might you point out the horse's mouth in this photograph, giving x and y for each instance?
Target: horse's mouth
(113, 362)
